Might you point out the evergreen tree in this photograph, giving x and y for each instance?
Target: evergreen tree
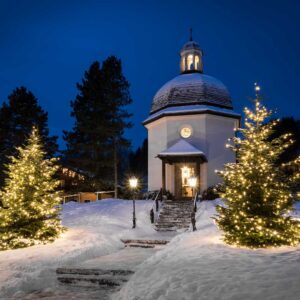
(94, 144)
(256, 190)
(17, 117)
(30, 212)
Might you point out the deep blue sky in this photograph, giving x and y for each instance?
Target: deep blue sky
(47, 45)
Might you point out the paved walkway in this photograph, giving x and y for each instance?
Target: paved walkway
(128, 259)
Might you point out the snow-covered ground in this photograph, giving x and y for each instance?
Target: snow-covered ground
(195, 265)
(94, 229)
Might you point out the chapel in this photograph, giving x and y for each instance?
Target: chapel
(190, 121)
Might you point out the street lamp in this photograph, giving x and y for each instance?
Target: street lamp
(133, 183)
(192, 181)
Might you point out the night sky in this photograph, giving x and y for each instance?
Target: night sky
(47, 45)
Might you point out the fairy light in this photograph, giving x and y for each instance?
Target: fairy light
(30, 197)
(257, 199)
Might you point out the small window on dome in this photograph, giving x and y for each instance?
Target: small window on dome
(183, 63)
(190, 62)
(197, 67)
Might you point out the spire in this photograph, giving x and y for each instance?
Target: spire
(191, 34)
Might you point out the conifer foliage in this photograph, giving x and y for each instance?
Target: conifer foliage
(100, 114)
(257, 190)
(30, 212)
(17, 117)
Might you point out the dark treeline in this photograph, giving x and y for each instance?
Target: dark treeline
(138, 161)
(292, 126)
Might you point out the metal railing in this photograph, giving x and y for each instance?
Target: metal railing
(154, 212)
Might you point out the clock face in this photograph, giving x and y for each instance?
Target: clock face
(186, 132)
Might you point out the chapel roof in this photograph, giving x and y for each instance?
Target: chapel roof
(190, 89)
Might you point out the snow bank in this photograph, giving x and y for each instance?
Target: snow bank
(197, 265)
(94, 229)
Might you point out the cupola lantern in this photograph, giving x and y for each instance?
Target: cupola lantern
(191, 57)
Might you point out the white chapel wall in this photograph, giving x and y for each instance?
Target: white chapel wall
(219, 130)
(157, 142)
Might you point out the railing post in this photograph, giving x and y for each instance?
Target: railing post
(195, 202)
(193, 220)
(152, 216)
(156, 201)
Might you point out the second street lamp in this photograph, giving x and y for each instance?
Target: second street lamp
(133, 183)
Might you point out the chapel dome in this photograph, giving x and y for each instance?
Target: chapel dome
(190, 89)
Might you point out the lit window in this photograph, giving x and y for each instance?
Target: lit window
(183, 63)
(197, 62)
(190, 62)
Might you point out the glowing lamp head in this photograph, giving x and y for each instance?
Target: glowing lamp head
(133, 182)
(192, 181)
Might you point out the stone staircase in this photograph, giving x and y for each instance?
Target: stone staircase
(174, 215)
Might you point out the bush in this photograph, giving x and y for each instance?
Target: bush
(212, 192)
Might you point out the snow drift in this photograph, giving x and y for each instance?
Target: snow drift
(94, 229)
(197, 265)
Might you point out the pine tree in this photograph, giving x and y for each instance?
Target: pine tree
(17, 117)
(257, 191)
(94, 144)
(30, 212)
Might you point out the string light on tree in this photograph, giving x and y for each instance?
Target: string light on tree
(30, 213)
(257, 191)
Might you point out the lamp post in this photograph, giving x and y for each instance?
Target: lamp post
(133, 182)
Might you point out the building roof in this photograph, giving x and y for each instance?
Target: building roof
(190, 110)
(191, 45)
(181, 148)
(188, 89)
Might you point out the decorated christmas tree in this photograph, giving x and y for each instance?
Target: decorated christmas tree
(257, 191)
(30, 212)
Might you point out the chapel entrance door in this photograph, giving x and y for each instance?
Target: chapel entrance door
(183, 171)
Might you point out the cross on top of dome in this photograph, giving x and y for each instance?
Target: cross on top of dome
(191, 57)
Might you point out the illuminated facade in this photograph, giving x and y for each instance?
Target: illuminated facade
(190, 121)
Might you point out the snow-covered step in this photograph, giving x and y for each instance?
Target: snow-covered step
(79, 271)
(92, 277)
(144, 243)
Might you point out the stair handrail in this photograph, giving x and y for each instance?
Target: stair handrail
(155, 206)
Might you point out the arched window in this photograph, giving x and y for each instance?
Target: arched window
(183, 67)
(190, 62)
(197, 67)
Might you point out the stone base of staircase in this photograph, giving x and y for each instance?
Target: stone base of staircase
(174, 215)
